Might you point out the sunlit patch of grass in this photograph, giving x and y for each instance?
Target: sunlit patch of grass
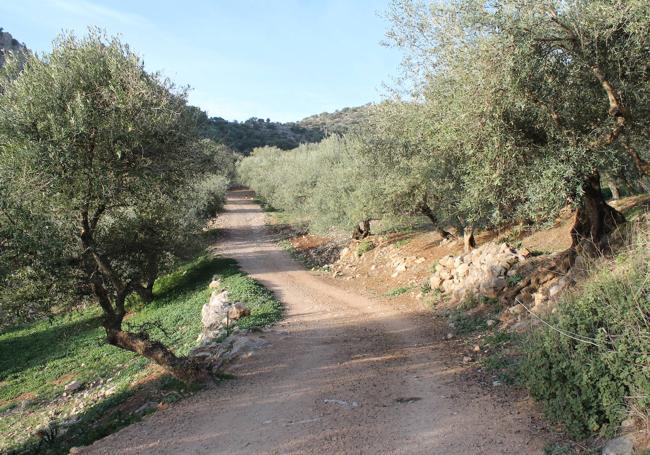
(39, 359)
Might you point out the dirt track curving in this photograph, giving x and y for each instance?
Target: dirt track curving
(343, 374)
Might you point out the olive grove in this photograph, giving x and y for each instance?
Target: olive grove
(508, 111)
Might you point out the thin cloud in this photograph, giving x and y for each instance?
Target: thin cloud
(91, 10)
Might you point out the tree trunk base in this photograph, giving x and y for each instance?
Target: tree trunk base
(469, 242)
(362, 230)
(595, 220)
(187, 370)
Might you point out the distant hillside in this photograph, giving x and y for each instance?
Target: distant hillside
(338, 122)
(245, 136)
(8, 44)
(256, 132)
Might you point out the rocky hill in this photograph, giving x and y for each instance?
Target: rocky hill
(338, 122)
(256, 132)
(8, 44)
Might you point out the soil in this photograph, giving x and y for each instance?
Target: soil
(344, 373)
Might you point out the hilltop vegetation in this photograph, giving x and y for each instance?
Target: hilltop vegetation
(245, 136)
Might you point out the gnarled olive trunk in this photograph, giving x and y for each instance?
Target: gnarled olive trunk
(426, 211)
(469, 242)
(594, 219)
(100, 273)
(146, 292)
(183, 368)
(362, 230)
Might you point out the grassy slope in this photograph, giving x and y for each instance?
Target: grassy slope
(38, 360)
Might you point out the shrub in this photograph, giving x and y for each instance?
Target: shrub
(397, 291)
(209, 196)
(364, 246)
(595, 361)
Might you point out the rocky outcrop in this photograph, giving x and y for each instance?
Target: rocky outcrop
(9, 45)
(219, 342)
(484, 271)
(217, 314)
(236, 346)
(498, 271)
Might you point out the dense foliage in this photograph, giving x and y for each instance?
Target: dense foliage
(245, 136)
(321, 181)
(593, 365)
(516, 109)
(104, 182)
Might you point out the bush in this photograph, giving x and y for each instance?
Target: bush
(209, 197)
(365, 246)
(594, 364)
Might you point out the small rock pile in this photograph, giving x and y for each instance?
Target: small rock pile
(218, 313)
(483, 271)
(237, 345)
(216, 347)
(541, 289)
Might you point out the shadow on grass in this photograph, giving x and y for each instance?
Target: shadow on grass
(108, 416)
(192, 276)
(18, 353)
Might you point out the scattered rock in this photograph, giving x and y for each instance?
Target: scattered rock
(73, 386)
(74, 451)
(238, 311)
(467, 359)
(345, 404)
(213, 312)
(480, 272)
(231, 348)
(214, 284)
(490, 322)
(450, 336)
(619, 446)
(145, 408)
(477, 348)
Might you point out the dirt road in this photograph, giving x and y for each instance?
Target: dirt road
(343, 374)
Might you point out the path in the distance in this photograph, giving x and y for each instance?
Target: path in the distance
(343, 374)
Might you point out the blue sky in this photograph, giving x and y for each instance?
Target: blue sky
(283, 59)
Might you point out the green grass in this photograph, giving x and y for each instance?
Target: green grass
(397, 291)
(38, 360)
(401, 243)
(365, 246)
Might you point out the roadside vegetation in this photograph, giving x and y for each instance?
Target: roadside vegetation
(38, 361)
(105, 185)
(508, 115)
(590, 364)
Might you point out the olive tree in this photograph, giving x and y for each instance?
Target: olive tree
(551, 93)
(98, 151)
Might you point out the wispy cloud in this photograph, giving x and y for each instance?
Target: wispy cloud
(94, 11)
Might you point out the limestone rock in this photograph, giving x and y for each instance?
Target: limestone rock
(213, 312)
(238, 311)
(480, 272)
(619, 446)
(73, 386)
